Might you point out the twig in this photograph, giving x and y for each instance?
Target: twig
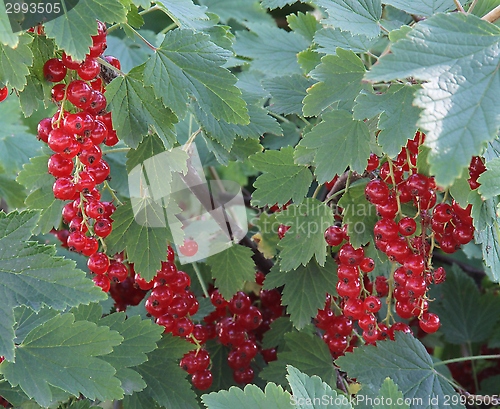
(459, 6)
(263, 264)
(478, 273)
(472, 6)
(493, 15)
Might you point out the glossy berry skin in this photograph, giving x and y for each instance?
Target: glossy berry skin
(103, 227)
(98, 263)
(79, 94)
(102, 281)
(429, 322)
(117, 272)
(64, 189)
(373, 163)
(54, 70)
(202, 379)
(239, 303)
(407, 226)
(372, 304)
(4, 93)
(334, 235)
(89, 69)
(243, 375)
(377, 192)
(59, 166)
(113, 61)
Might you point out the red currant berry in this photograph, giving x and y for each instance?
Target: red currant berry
(407, 226)
(64, 189)
(373, 163)
(239, 303)
(189, 248)
(59, 166)
(102, 227)
(54, 70)
(117, 272)
(334, 235)
(372, 304)
(102, 281)
(243, 375)
(79, 94)
(202, 379)
(89, 69)
(98, 263)
(4, 93)
(429, 322)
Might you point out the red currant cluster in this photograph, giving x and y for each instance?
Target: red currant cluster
(476, 167)
(407, 240)
(75, 133)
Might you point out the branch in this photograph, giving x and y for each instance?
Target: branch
(476, 273)
(493, 15)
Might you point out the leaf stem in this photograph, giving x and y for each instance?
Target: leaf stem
(116, 150)
(459, 6)
(154, 8)
(200, 279)
(493, 15)
(280, 117)
(168, 28)
(316, 191)
(466, 358)
(472, 6)
(151, 46)
(191, 140)
(112, 192)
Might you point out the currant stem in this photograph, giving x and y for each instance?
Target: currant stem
(117, 150)
(151, 46)
(472, 6)
(191, 140)
(112, 192)
(102, 61)
(459, 6)
(316, 191)
(466, 358)
(493, 15)
(200, 279)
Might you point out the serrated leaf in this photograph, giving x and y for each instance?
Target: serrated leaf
(91, 312)
(458, 57)
(139, 337)
(131, 53)
(166, 381)
(306, 389)
(276, 333)
(398, 117)
(359, 215)
(273, 397)
(72, 31)
(329, 39)
(305, 238)
(27, 319)
(338, 142)
(239, 10)
(460, 189)
(306, 352)
(134, 108)
(185, 13)
(63, 353)
(489, 180)
(139, 401)
(339, 79)
(287, 93)
(390, 397)
(10, 191)
(281, 180)
(146, 246)
(274, 58)
(357, 16)
(407, 363)
(305, 290)
(466, 316)
(31, 275)
(7, 37)
(189, 64)
(274, 4)
(14, 62)
(304, 24)
(231, 268)
(489, 239)
(425, 8)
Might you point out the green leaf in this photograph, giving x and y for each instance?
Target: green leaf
(231, 268)
(239, 10)
(189, 64)
(466, 316)
(7, 37)
(338, 142)
(425, 8)
(274, 4)
(185, 13)
(139, 337)
(357, 16)
(306, 352)
(134, 107)
(146, 246)
(276, 334)
(38, 181)
(458, 56)
(274, 58)
(359, 214)
(27, 319)
(312, 389)
(31, 275)
(166, 381)
(398, 117)
(305, 290)
(340, 78)
(281, 180)
(304, 24)
(489, 180)
(287, 93)
(11, 191)
(329, 39)
(14, 62)
(407, 363)
(63, 353)
(460, 189)
(267, 238)
(72, 31)
(489, 239)
(390, 397)
(130, 52)
(305, 238)
(273, 397)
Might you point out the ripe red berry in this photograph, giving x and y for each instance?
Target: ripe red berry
(429, 322)
(239, 303)
(243, 375)
(59, 166)
(373, 163)
(377, 192)
(115, 62)
(4, 93)
(89, 69)
(64, 189)
(54, 70)
(334, 235)
(79, 94)
(102, 227)
(117, 272)
(407, 226)
(372, 304)
(102, 281)
(202, 379)
(98, 263)
(189, 248)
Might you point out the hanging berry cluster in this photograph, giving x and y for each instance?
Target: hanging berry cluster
(75, 134)
(408, 240)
